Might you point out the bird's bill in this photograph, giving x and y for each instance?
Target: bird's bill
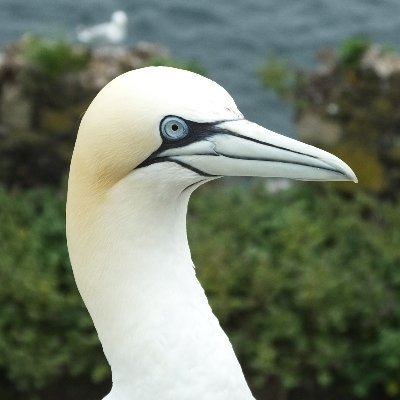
(243, 148)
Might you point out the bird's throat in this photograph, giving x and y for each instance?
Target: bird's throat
(132, 265)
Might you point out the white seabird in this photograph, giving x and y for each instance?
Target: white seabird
(147, 141)
(112, 32)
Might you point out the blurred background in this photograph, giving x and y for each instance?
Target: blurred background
(305, 278)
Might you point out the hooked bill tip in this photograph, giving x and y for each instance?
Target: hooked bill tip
(348, 173)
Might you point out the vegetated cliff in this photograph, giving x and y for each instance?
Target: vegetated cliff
(349, 105)
(45, 87)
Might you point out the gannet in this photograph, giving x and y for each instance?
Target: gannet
(146, 142)
(112, 32)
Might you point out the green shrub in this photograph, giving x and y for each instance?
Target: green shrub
(279, 76)
(306, 284)
(45, 331)
(51, 58)
(352, 50)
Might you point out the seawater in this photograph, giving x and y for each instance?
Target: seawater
(230, 38)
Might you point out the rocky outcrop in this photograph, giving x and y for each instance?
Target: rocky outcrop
(45, 87)
(349, 105)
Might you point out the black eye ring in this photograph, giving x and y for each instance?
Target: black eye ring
(173, 128)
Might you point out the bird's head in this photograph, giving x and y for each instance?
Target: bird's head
(147, 137)
(119, 17)
(172, 124)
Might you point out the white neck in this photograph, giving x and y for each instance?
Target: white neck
(132, 264)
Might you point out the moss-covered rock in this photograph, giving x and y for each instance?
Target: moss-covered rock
(45, 87)
(350, 102)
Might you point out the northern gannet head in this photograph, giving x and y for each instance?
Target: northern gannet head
(170, 117)
(148, 139)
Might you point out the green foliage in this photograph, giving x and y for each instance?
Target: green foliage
(52, 58)
(279, 76)
(171, 62)
(45, 331)
(307, 285)
(29, 158)
(352, 50)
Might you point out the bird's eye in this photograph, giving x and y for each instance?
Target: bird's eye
(174, 128)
